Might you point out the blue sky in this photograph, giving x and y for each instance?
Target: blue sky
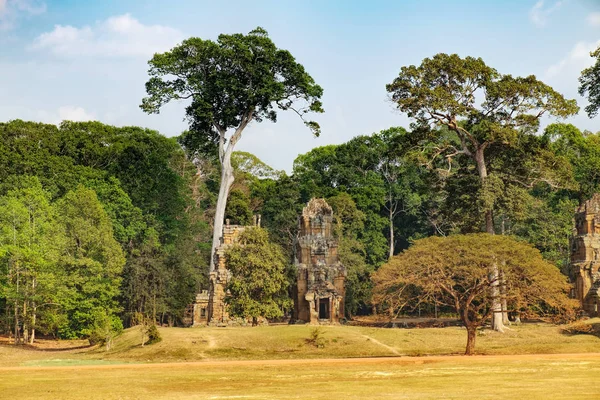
(84, 60)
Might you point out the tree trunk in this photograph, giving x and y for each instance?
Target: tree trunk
(254, 321)
(33, 314)
(391, 231)
(471, 329)
(17, 336)
(504, 304)
(25, 324)
(505, 320)
(482, 171)
(16, 322)
(497, 324)
(227, 179)
(471, 335)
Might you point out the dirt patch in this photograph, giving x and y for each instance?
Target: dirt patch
(49, 344)
(322, 361)
(405, 322)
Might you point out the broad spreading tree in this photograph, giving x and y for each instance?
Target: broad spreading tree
(484, 111)
(454, 271)
(230, 83)
(258, 283)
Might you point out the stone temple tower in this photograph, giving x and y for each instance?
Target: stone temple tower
(319, 292)
(585, 255)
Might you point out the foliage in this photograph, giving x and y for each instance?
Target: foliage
(238, 208)
(258, 284)
(383, 178)
(456, 272)
(589, 85)
(106, 329)
(231, 82)
(31, 244)
(149, 191)
(579, 328)
(279, 203)
(464, 108)
(348, 225)
(250, 164)
(153, 335)
(93, 262)
(316, 337)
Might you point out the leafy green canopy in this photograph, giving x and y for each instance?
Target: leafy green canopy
(448, 89)
(258, 285)
(146, 187)
(93, 262)
(237, 79)
(589, 84)
(486, 114)
(455, 271)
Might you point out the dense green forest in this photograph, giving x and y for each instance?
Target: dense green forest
(101, 226)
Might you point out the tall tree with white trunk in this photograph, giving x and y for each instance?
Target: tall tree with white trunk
(231, 82)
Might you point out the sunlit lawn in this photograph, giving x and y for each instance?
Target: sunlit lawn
(291, 342)
(489, 377)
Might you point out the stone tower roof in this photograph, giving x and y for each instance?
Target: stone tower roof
(317, 207)
(591, 206)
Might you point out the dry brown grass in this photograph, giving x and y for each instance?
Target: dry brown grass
(293, 342)
(304, 370)
(484, 377)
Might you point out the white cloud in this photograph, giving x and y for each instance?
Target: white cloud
(11, 10)
(577, 59)
(539, 13)
(118, 36)
(594, 19)
(65, 113)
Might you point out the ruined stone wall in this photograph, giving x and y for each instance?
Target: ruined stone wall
(585, 253)
(201, 307)
(320, 283)
(213, 299)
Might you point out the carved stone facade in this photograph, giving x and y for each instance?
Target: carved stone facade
(212, 301)
(319, 292)
(585, 255)
(200, 311)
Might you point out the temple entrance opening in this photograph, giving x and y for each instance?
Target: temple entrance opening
(324, 309)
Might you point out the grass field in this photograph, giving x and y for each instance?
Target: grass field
(219, 363)
(446, 377)
(291, 342)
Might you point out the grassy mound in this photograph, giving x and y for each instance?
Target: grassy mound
(297, 342)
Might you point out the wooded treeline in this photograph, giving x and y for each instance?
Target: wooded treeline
(98, 227)
(101, 226)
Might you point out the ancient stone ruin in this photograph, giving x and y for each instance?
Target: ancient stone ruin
(585, 252)
(210, 307)
(319, 292)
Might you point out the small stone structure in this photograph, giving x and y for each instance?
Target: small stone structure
(585, 255)
(200, 312)
(319, 293)
(212, 301)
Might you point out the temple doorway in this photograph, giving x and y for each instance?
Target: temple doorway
(323, 308)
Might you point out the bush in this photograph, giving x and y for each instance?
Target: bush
(579, 328)
(316, 337)
(153, 335)
(104, 330)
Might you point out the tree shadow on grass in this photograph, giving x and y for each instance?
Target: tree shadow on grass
(582, 327)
